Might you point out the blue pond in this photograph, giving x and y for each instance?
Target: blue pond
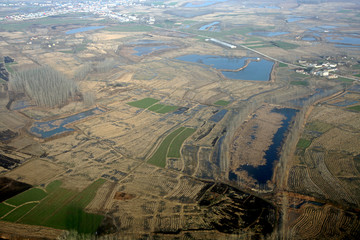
(197, 4)
(264, 173)
(268, 34)
(143, 50)
(219, 115)
(311, 39)
(53, 127)
(291, 19)
(343, 40)
(255, 71)
(208, 26)
(83, 29)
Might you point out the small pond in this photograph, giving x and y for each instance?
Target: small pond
(268, 34)
(255, 71)
(57, 126)
(83, 29)
(209, 26)
(291, 19)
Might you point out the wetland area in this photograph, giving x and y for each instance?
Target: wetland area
(180, 120)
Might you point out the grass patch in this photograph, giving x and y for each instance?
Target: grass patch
(260, 46)
(156, 107)
(159, 157)
(318, 126)
(4, 209)
(174, 149)
(284, 45)
(143, 103)
(53, 186)
(33, 194)
(9, 68)
(160, 108)
(19, 212)
(222, 103)
(346, 80)
(129, 28)
(299, 83)
(355, 108)
(357, 75)
(282, 65)
(303, 143)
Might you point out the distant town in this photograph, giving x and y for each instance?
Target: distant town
(104, 9)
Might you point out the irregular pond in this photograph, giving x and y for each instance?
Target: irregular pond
(144, 50)
(217, 117)
(264, 173)
(255, 71)
(268, 34)
(311, 39)
(83, 29)
(209, 26)
(53, 127)
(197, 4)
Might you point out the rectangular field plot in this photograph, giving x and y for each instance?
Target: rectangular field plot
(143, 103)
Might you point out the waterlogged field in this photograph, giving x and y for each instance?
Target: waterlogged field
(55, 207)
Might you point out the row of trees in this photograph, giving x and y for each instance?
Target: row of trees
(44, 85)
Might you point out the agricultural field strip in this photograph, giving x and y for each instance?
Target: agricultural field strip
(16, 208)
(162, 151)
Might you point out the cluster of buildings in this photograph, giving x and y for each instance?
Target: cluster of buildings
(104, 9)
(326, 69)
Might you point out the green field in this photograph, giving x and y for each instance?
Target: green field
(174, 149)
(53, 186)
(354, 108)
(4, 209)
(222, 103)
(33, 194)
(160, 108)
(303, 143)
(282, 65)
(284, 45)
(60, 208)
(143, 103)
(19, 212)
(299, 83)
(159, 157)
(357, 75)
(344, 79)
(170, 146)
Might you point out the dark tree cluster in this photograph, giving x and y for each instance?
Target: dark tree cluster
(44, 85)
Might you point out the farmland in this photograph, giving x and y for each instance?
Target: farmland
(36, 207)
(154, 140)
